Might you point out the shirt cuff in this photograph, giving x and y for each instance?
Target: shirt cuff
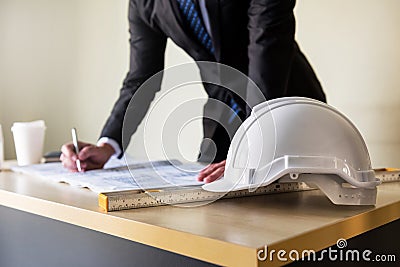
(111, 142)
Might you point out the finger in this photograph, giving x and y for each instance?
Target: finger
(68, 151)
(91, 165)
(85, 157)
(87, 152)
(215, 175)
(205, 172)
(68, 163)
(217, 171)
(91, 158)
(211, 168)
(86, 165)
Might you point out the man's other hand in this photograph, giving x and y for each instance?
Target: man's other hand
(212, 172)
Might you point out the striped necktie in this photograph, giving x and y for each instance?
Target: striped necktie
(235, 110)
(188, 9)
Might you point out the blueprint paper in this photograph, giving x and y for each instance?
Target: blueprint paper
(117, 176)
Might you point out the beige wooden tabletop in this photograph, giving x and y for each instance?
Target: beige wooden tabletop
(228, 232)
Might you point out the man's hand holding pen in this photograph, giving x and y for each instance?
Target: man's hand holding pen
(90, 156)
(80, 157)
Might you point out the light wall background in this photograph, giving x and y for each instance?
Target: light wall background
(64, 61)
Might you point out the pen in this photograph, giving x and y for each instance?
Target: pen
(75, 142)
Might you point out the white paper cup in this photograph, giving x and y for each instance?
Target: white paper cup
(28, 140)
(1, 148)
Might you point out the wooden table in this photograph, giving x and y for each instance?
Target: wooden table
(228, 232)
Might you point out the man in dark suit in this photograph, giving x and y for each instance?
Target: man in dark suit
(254, 37)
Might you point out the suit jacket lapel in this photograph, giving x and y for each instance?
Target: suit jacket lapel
(181, 30)
(213, 10)
(177, 15)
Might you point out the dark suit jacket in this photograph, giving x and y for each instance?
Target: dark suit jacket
(255, 37)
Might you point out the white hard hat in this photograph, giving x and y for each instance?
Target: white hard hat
(300, 139)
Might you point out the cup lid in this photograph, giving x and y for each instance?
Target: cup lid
(34, 124)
